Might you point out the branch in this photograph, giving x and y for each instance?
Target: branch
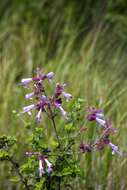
(16, 167)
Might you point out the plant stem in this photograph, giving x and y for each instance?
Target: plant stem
(48, 183)
(51, 116)
(54, 124)
(15, 165)
(59, 183)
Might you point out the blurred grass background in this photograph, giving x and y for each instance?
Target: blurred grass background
(85, 44)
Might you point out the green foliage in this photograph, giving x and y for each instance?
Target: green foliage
(7, 142)
(7, 147)
(36, 138)
(3, 155)
(15, 179)
(39, 185)
(77, 113)
(66, 166)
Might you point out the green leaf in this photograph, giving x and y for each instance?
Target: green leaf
(3, 155)
(39, 185)
(7, 141)
(69, 127)
(54, 144)
(15, 179)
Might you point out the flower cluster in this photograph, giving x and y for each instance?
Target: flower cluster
(42, 102)
(43, 163)
(47, 104)
(97, 115)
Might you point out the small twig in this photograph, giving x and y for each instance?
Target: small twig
(16, 167)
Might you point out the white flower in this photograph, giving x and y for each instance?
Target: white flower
(49, 165)
(114, 148)
(38, 116)
(100, 115)
(41, 168)
(102, 122)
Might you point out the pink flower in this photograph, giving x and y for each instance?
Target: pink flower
(96, 115)
(60, 91)
(105, 141)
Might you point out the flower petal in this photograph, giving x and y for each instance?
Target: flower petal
(38, 116)
(26, 81)
(41, 168)
(102, 122)
(28, 108)
(29, 96)
(67, 96)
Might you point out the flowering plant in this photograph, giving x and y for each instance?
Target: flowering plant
(52, 161)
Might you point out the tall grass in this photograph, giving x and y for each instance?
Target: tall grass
(94, 68)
